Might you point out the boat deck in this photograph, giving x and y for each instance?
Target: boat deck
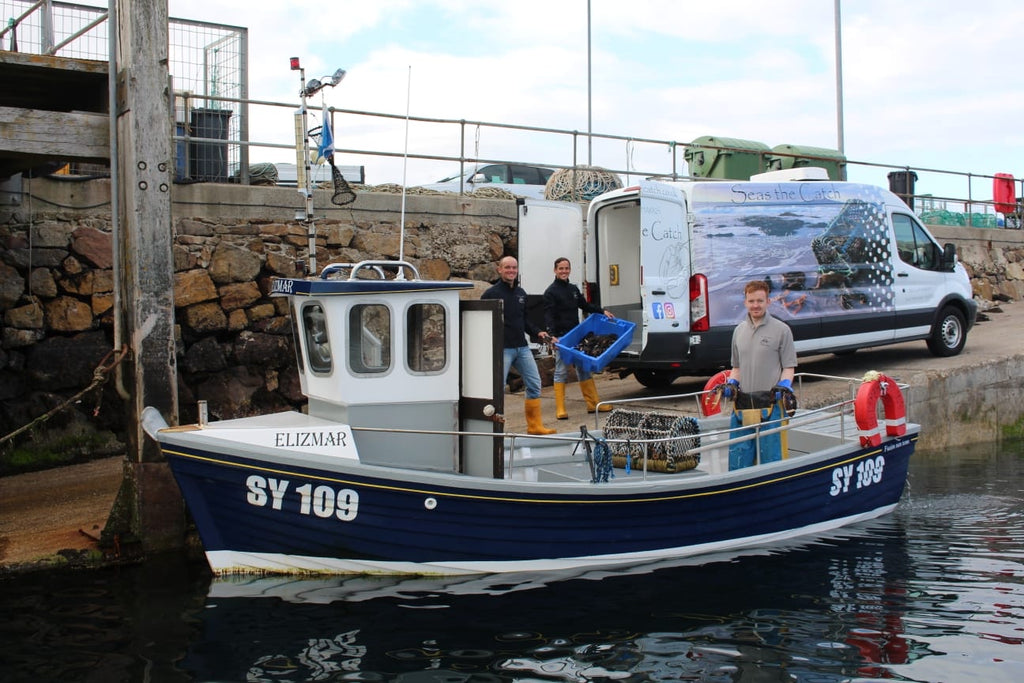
(564, 457)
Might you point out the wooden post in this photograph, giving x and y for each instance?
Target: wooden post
(152, 506)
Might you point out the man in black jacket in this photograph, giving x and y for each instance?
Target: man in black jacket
(516, 349)
(563, 302)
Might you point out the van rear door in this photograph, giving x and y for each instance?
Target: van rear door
(664, 260)
(547, 230)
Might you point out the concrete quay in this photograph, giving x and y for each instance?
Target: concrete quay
(976, 396)
(54, 518)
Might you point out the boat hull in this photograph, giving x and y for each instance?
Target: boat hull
(257, 515)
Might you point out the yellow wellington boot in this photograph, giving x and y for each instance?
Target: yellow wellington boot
(560, 411)
(534, 425)
(589, 390)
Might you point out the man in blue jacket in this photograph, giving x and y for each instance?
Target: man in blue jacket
(516, 348)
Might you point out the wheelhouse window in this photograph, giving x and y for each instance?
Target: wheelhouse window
(318, 345)
(913, 244)
(427, 338)
(369, 338)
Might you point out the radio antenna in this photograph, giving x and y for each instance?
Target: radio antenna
(405, 167)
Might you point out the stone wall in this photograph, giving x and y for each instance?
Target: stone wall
(234, 345)
(994, 258)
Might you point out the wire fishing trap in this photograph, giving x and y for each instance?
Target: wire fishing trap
(664, 438)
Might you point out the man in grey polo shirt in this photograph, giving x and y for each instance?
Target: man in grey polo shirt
(763, 363)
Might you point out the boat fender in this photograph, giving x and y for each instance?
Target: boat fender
(711, 401)
(877, 386)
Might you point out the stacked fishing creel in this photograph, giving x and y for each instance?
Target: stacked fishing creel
(664, 436)
(582, 183)
(622, 429)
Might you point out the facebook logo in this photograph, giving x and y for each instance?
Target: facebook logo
(657, 310)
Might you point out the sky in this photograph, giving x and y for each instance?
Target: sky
(933, 84)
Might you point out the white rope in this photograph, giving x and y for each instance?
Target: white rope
(580, 184)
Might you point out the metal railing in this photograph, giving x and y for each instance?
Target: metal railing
(966, 200)
(209, 70)
(208, 63)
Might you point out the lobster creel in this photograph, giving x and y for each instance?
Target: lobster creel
(664, 438)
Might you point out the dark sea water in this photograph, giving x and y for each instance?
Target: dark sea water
(934, 592)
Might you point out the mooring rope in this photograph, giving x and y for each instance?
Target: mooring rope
(99, 376)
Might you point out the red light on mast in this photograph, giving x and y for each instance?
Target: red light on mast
(294, 62)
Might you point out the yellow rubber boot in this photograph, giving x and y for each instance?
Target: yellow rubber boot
(534, 425)
(560, 412)
(589, 390)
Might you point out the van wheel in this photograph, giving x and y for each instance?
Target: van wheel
(949, 334)
(653, 379)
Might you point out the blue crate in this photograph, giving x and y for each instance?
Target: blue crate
(598, 323)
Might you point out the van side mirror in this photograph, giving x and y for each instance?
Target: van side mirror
(478, 178)
(948, 256)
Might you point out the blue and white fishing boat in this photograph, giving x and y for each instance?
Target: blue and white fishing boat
(401, 464)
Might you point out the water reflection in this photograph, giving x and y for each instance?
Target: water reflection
(834, 609)
(932, 593)
(126, 625)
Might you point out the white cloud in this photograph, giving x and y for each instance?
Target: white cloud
(925, 84)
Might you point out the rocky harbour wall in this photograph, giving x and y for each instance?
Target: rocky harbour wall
(233, 341)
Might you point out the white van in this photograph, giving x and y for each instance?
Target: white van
(848, 265)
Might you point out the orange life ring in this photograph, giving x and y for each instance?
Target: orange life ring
(865, 409)
(710, 404)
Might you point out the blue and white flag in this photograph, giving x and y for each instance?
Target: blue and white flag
(326, 148)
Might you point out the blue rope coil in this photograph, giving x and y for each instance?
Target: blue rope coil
(602, 462)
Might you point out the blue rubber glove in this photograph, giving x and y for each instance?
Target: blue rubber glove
(731, 388)
(779, 390)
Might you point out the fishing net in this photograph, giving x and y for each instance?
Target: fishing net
(664, 436)
(343, 192)
(263, 174)
(580, 183)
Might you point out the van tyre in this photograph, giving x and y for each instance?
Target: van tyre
(949, 333)
(654, 379)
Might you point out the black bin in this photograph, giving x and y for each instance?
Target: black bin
(902, 183)
(208, 161)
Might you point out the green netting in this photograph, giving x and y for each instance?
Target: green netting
(943, 217)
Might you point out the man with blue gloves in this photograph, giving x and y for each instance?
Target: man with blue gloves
(763, 363)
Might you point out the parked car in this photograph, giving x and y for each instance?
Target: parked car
(525, 181)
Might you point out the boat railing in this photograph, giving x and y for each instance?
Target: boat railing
(719, 438)
(375, 266)
(712, 440)
(840, 413)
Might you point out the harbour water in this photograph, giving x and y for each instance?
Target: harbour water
(934, 592)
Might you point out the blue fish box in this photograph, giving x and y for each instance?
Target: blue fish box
(599, 324)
